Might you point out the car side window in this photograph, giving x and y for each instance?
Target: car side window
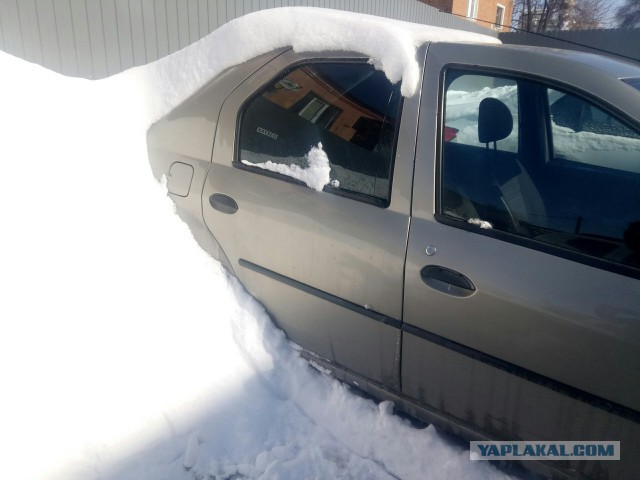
(463, 102)
(351, 109)
(539, 163)
(586, 134)
(472, 154)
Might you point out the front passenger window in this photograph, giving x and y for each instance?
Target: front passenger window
(541, 164)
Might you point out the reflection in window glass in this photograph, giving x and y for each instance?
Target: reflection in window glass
(584, 133)
(351, 109)
(499, 16)
(596, 166)
(472, 8)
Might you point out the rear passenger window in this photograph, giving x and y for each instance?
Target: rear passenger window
(539, 163)
(350, 109)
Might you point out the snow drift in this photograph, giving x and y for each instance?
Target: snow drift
(126, 352)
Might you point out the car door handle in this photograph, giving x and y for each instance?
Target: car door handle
(447, 281)
(223, 203)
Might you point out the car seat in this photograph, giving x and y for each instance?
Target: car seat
(517, 191)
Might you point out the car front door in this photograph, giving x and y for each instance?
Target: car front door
(522, 302)
(326, 261)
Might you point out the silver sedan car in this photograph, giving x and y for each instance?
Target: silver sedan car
(471, 252)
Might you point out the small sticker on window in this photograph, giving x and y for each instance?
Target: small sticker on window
(267, 133)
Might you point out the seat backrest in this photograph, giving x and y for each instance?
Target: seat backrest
(517, 190)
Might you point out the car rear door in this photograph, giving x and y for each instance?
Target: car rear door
(327, 265)
(522, 308)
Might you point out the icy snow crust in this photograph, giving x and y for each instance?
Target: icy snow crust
(125, 351)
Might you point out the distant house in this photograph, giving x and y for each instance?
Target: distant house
(492, 14)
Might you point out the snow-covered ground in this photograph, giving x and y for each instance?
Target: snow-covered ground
(126, 352)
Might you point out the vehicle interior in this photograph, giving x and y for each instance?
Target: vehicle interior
(543, 164)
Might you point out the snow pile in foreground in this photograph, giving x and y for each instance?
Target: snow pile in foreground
(315, 175)
(126, 352)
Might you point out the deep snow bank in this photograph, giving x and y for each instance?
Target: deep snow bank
(126, 352)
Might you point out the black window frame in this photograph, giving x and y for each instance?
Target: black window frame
(501, 235)
(360, 197)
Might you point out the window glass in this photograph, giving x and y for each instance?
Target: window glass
(541, 164)
(463, 98)
(634, 82)
(472, 8)
(584, 133)
(351, 109)
(596, 162)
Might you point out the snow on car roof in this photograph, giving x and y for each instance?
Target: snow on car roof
(390, 44)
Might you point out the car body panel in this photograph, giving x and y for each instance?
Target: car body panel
(311, 238)
(554, 308)
(505, 406)
(187, 135)
(540, 333)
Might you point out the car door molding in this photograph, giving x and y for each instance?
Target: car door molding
(372, 314)
(578, 394)
(575, 393)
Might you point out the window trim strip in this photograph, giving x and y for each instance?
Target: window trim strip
(526, 374)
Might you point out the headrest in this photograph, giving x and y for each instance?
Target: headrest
(495, 121)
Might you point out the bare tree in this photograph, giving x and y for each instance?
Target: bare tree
(541, 15)
(628, 15)
(589, 14)
(548, 15)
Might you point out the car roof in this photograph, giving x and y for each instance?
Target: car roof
(615, 66)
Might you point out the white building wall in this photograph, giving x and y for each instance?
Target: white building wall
(98, 38)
